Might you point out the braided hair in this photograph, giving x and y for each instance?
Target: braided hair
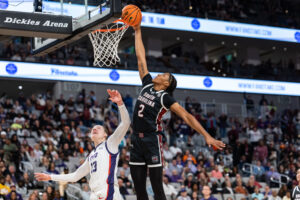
(173, 84)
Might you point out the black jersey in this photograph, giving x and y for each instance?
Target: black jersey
(150, 107)
(296, 193)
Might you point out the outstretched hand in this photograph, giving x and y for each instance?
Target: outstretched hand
(42, 177)
(215, 143)
(115, 97)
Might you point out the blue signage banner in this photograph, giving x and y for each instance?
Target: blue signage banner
(16, 70)
(219, 27)
(173, 22)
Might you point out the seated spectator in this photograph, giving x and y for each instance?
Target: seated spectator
(4, 189)
(259, 170)
(198, 140)
(203, 178)
(13, 194)
(257, 194)
(21, 188)
(175, 177)
(274, 196)
(216, 174)
(191, 166)
(45, 196)
(240, 189)
(85, 194)
(188, 156)
(168, 155)
(183, 195)
(255, 135)
(123, 188)
(237, 178)
(261, 152)
(168, 188)
(206, 192)
(57, 195)
(271, 175)
(51, 169)
(125, 179)
(29, 184)
(267, 193)
(9, 151)
(195, 196)
(210, 164)
(125, 168)
(287, 196)
(8, 180)
(33, 196)
(37, 151)
(183, 130)
(252, 183)
(50, 192)
(13, 175)
(175, 166)
(282, 191)
(228, 189)
(189, 182)
(233, 135)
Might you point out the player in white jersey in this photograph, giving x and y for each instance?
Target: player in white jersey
(102, 161)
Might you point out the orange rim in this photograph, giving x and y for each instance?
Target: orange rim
(113, 29)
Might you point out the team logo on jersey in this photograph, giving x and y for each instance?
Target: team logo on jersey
(11, 68)
(155, 159)
(3, 4)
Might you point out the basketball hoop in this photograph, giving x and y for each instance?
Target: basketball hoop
(105, 43)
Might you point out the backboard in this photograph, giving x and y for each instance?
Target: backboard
(54, 23)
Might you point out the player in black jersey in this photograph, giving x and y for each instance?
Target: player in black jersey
(153, 102)
(296, 190)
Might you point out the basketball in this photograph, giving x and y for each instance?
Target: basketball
(132, 15)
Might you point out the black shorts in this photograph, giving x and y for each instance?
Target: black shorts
(146, 149)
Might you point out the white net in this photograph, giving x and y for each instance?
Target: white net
(105, 44)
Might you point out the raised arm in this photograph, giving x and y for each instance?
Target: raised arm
(115, 139)
(140, 52)
(193, 122)
(82, 171)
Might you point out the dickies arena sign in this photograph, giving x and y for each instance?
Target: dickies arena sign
(35, 24)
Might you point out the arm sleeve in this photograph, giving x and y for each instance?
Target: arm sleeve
(82, 171)
(167, 100)
(115, 139)
(147, 80)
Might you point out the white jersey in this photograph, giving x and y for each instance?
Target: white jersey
(102, 164)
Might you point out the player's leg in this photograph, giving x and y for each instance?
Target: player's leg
(155, 174)
(139, 176)
(154, 159)
(138, 168)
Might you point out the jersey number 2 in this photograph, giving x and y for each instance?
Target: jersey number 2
(140, 113)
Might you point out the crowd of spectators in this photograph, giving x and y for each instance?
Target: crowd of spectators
(19, 50)
(281, 13)
(60, 130)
